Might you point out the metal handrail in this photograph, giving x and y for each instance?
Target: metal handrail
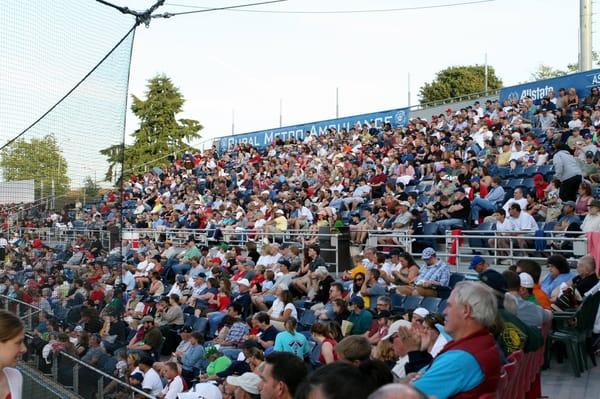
(79, 362)
(464, 97)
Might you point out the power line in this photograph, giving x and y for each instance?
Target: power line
(236, 8)
(208, 9)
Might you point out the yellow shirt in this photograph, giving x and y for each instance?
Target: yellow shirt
(281, 223)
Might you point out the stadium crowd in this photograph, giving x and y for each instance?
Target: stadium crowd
(251, 314)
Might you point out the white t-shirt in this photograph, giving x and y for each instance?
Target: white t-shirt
(525, 222)
(173, 388)
(152, 382)
(522, 203)
(278, 308)
(507, 225)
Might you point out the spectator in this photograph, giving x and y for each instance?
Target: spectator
(175, 384)
(586, 277)
(524, 305)
(291, 341)
(456, 214)
(246, 385)
(151, 383)
(533, 268)
(470, 314)
(321, 334)
(491, 201)
(281, 376)
(360, 319)
(150, 339)
(433, 275)
(591, 222)
(567, 171)
(558, 272)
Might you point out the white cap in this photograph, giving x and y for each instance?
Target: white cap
(526, 280)
(395, 327)
(205, 390)
(247, 381)
(421, 312)
(244, 281)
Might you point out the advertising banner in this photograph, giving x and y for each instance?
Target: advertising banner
(581, 81)
(260, 139)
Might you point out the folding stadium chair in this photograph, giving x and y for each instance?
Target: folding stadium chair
(307, 320)
(431, 303)
(397, 302)
(412, 302)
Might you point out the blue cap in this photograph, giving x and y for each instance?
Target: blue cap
(427, 253)
(358, 301)
(476, 261)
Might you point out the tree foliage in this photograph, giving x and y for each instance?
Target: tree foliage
(90, 188)
(459, 81)
(39, 159)
(160, 133)
(547, 72)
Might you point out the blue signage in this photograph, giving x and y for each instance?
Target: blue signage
(581, 81)
(263, 138)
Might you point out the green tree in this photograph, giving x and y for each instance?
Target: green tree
(90, 188)
(459, 81)
(160, 132)
(547, 72)
(39, 159)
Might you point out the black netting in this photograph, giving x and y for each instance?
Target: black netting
(47, 49)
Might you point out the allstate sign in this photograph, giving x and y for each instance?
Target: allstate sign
(396, 117)
(581, 81)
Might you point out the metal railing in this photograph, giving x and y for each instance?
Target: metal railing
(66, 369)
(450, 100)
(63, 234)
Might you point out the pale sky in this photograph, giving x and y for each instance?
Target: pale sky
(249, 61)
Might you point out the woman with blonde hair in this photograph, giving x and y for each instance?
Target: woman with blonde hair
(12, 346)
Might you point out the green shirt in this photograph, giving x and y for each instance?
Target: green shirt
(361, 322)
(191, 252)
(532, 298)
(218, 365)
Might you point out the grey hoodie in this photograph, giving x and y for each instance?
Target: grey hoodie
(565, 165)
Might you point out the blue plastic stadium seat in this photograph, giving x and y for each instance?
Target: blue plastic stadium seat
(442, 306)
(431, 303)
(530, 171)
(456, 278)
(397, 301)
(412, 302)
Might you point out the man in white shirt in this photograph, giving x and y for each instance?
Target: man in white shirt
(525, 225)
(517, 199)
(127, 277)
(504, 226)
(152, 382)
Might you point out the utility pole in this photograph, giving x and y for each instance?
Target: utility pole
(232, 121)
(485, 83)
(585, 35)
(280, 112)
(337, 102)
(408, 89)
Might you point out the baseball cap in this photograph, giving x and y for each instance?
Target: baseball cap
(395, 327)
(205, 390)
(382, 314)
(285, 263)
(589, 154)
(322, 270)
(357, 301)
(249, 263)
(569, 203)
(201, 275)
(460, 190)
(186, 329)
(247, 381)
(244, 281)
(494, 280)
(421, 312)
(427, 253)
(476, 261)
(147, 319)
(526, 280)
(405, 203)
(595, 203)
(216, 260)
(137, 376)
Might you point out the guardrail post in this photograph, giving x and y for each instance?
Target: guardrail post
(30, 319)
(76, 378)
(100, 388)
(55, 366)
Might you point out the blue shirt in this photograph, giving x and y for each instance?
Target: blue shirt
(445, 378)
(439, 272)
(193, 357)
(495, 195)
(550, 283)
(296, 344)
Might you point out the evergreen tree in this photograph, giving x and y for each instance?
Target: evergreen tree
(160, 132)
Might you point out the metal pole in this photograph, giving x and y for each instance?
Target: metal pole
(485, 84)
(585, 35)
(232, 121)
(337, 102)
(408, 89)
(280, 112)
